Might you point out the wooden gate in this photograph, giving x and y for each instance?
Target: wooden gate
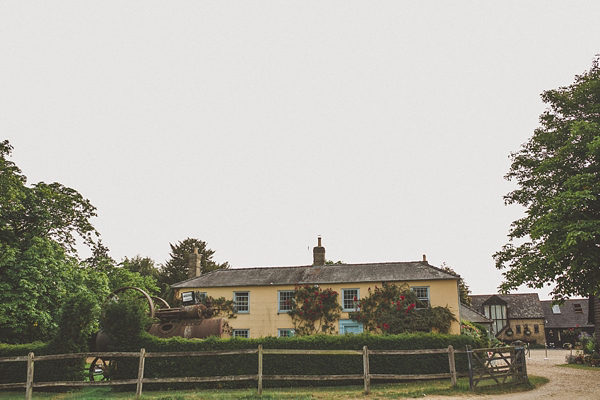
(504, 365)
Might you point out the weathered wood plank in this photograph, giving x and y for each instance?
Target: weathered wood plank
(12, 385)
(86, 355)
(82, 383)
(260, 369)
(13, 359)
(410, 376)
(201, 353)
(311, 377)
(314, 352)
(408, 352)
(189, 379)
(28, 386)
(140, 378)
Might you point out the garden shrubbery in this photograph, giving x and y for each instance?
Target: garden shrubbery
(136, 338)
(77, 319)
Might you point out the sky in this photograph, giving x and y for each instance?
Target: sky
(385, 127)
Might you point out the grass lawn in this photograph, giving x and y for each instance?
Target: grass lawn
(579, 366)
(395, 390)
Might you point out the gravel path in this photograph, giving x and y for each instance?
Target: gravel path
(565, 383)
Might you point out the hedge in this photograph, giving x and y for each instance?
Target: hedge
(293, 364)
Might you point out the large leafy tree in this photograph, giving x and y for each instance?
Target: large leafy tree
(558, 176)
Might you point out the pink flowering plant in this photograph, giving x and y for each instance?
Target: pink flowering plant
(395, 309)
(314, 310)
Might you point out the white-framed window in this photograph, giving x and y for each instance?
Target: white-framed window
(422, 293)
(241, 301)
(285, 332)
(241, 333)
(349, 296)
(284, 300)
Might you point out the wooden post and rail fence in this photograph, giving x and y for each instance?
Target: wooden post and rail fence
(366, 376)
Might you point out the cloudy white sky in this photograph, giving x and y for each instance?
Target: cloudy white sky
(383, 126)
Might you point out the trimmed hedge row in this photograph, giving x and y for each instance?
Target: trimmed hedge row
(294, 364)
(45, 371)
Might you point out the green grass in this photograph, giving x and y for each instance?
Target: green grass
(378, 391)
(579, 366)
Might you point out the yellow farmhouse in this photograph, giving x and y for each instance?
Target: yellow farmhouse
(261, 294)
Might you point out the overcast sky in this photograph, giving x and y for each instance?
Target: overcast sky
(383, 126)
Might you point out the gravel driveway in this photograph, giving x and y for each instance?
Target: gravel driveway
(565, 383)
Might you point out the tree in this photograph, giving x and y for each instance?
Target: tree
(176, 268)
(558, 176)
(145, 266)
(43, 210)
(34, 283)
(396, 309)
(463, 288)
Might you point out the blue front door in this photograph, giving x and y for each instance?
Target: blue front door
(350, 326)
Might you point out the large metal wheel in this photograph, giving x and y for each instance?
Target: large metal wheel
(101, 369)
(114, 294)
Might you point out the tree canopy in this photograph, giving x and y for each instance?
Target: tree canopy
(176, 268)
(558, 176)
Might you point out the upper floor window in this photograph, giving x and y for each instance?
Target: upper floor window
(241, 301)
(556, 309)
(284, 300)
(422, 293)
(349, 296)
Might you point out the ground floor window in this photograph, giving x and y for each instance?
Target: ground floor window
(241, 333)
(285, 332)
(350, 326)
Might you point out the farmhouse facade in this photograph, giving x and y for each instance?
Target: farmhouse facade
(261, 294)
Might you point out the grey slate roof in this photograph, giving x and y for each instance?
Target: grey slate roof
(567, 317)
(473, 315)
(325, 274)
(519, 305)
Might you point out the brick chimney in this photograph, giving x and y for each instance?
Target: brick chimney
(319, 254)
(194, 264)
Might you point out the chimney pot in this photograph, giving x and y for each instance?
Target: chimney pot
(424, 258)
(319, 253)
(195, 264)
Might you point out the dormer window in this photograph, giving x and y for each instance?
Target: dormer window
(556, 309)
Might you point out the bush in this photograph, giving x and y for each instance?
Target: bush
(77, 317)
(295, 364)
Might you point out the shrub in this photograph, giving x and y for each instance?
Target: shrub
(294, 364)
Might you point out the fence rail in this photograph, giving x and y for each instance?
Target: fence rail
(366, 376)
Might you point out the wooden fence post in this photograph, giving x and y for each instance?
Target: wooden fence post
(469, 359)
(366, 371)
(138, 391)
(452, 365)
(29, 385)
(260, 369)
